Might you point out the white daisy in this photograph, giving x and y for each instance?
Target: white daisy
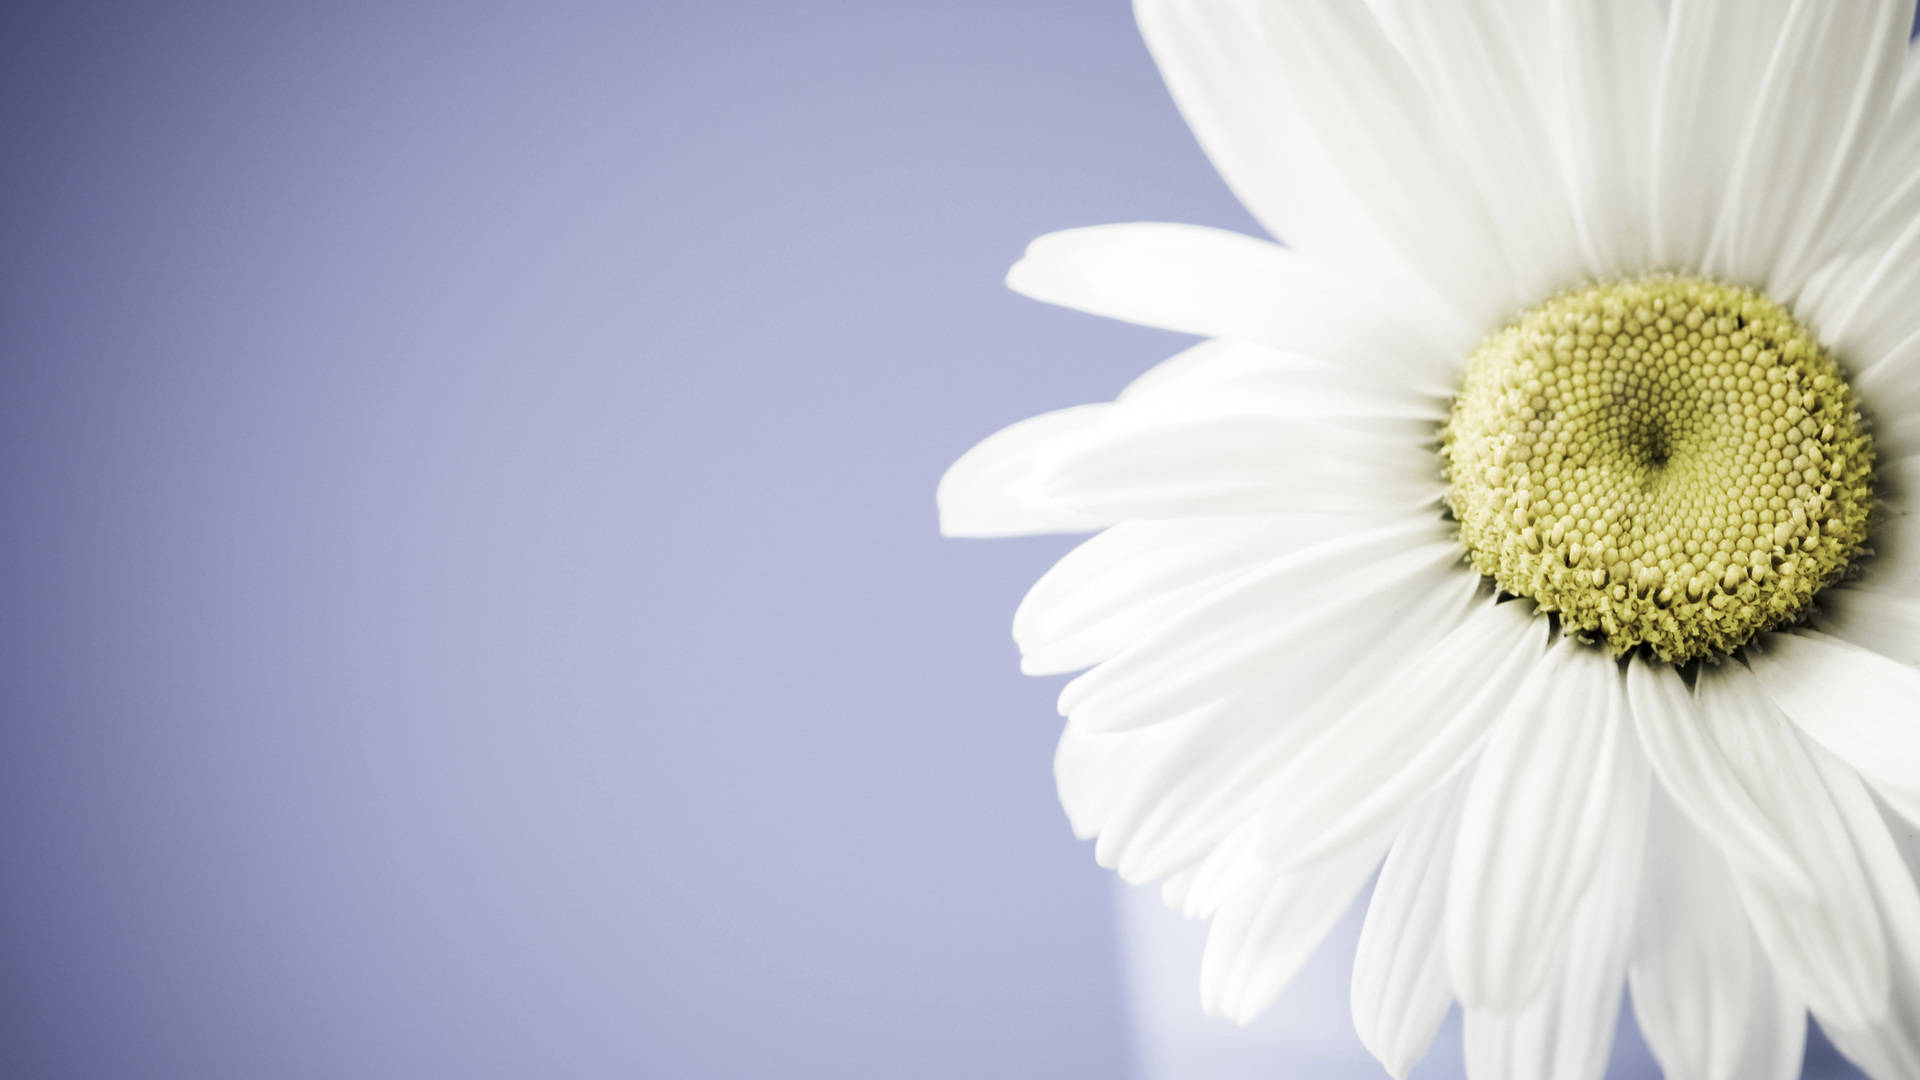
(1519, 531)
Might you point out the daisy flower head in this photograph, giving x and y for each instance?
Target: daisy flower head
(1537, 527)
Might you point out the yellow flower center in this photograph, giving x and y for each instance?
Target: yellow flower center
(1663, 461)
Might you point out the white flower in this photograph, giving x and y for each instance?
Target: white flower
(1586, 307)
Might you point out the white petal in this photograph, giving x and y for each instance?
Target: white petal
(1260, 938)
(1177, 807)
(1555, 772)
(1227, 378)
(1827, 947)
(1567, 1032)
(1884, 622)
(1710, 75)
(1694, 959)
(1857, 704)
(1890, 384)
(1887, 195)
(1120, 586)
(1216, 283)
(1400, 991)
(1826, 93)
(1776, 1032)
(1895, 565)
(1239, 465)
(1474, 71)
(1374, 124)
(1241, 99)
(1213, 649)
(992, 490)
(1091, 771)
(1866, 312)
(1405, 739)
(1226, 84)
(1703, 783)
(1889, 1047)
(1226, 873)
(1182, 805)
(1897, 438)
(1606, 62)
(1899, 480)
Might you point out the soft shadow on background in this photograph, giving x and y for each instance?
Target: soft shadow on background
(472, 599)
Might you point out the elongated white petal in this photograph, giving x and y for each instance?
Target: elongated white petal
(1403, 740)
(1118, 785)
(1566, 1032)
(1400, 991)
(1776, 1031)
(1863, 310)
(1092, 771)
(1890, 1046)
(1702, 781)
(1243, 101)
(1216, 283)
(1214, 649)
(1177, 807)
(1605, 62)
(1260, 938)
(1827, 947)
(1710, 76)
(1180, 806)
(993, 489)
(1225, 873)
(1238, 465)
(1556, 770)
(1887, 194)
(1887, 623)
(1856, 703)
(1899, 481)
(1227, 378)
(1895, 565)
(1472, 65)
(1693, 961)
(1119, 587)
(1223, 78)
(1890, 381)
(1821, 103)
(1375, 126)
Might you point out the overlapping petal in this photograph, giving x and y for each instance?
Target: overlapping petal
(1474, 69)
(1566, 754)
(1566, 1031)
(1421, 724)
(1401, 992)
(1235, 466)
(993, 489)
(1603, 60)
(1856, 703)
(1711, 70)
(1694, 959)
(1827, 946)
(1888, 1046)
(1290, 102)
(1217, 648)
(1216, 283)
(1828, 85)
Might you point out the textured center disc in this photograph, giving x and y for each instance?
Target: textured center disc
(1663, 461)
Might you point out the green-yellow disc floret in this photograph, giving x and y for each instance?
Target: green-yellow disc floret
(1663, 461)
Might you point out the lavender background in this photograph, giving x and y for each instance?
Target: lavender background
(472, 604)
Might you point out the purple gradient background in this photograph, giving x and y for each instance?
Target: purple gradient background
(472, 599)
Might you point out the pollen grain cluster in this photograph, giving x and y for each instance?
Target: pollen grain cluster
(1664, 461)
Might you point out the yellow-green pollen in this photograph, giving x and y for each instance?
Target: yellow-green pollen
(1665, 462)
